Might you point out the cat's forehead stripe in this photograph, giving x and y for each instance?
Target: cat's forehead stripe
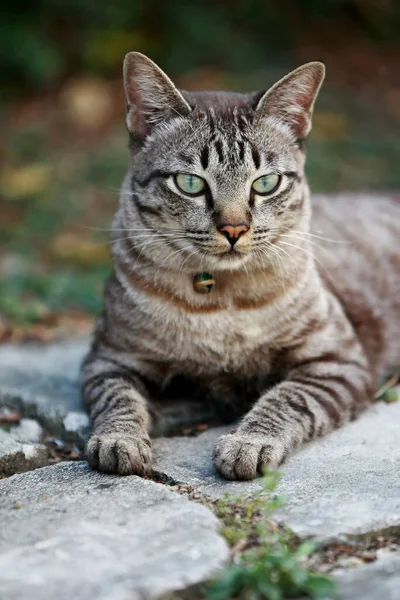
(256, 157)
(204, 157)
(228, 140)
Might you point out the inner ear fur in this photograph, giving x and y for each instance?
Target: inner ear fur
(292, 98)
(151, 97)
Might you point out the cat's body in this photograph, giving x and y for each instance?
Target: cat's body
(299, 343)
(364, 271)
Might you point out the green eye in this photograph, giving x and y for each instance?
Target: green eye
(190, 184)
(266, 184)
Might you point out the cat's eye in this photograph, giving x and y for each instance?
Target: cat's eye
(266, 184)
(190, 184)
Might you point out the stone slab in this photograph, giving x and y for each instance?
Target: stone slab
(189, 460)
(17, 456)
(28, 431)
(380, 579)
(69, 532)
(41, 381)
(345, 483)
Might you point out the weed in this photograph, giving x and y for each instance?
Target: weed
(268, 561)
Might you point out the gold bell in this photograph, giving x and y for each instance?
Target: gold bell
(203, 283)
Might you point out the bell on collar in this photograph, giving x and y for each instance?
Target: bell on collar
(203, 283)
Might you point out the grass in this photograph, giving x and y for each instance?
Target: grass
(268, 561)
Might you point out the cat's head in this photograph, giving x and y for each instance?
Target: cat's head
(216, 177)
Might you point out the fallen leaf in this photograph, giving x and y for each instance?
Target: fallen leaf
(88, 102)
(9, 417)
(70, 247)
(17, 182)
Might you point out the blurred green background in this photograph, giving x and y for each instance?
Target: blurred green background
(63, 146)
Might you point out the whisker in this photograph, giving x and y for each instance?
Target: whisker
(268, 257)
(308, 242)
(280, 261)
(276, 230)
(151, 237)
(285, 252)
(325, 239)
(136, 237)
(168, 229)
(194, 251)
(179, 250)
(169, 256)
(309, 253)
(130, 252)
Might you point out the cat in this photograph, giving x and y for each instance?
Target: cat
(218, 278)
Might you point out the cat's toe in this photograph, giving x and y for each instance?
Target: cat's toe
(244, 456)
(122, 455)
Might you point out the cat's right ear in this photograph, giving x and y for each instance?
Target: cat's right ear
(151, 96)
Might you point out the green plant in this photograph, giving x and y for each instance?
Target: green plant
(269, 562)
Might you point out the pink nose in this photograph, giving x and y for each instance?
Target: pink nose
(233, 232)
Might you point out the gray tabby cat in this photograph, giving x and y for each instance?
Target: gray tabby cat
(294, 334)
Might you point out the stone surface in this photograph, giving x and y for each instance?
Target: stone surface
(189, 460)
(69, 532)
(42, 383)
(17, 456)
(380, 579)
(345, 483)
(27, 431)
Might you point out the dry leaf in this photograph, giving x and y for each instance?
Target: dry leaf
(73, 248)
(16, 182)
(88, 102)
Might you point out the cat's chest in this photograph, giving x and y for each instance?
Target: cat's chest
(240, 341)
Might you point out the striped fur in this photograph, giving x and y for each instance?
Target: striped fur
(304, 318)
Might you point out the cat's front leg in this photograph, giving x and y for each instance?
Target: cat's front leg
(116, 398)
(314, 399)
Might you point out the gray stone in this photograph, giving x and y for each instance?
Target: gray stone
(42, 383)
(28, 431)
(189, 460)
(380, 579)
(345, 483)
(69, 532)
(17, 456)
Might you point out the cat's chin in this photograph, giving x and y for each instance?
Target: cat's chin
(228, 261)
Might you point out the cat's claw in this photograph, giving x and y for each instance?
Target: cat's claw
(120, 454)
(244, 455)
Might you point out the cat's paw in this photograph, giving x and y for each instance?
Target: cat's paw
(122, 454)
(245, 455)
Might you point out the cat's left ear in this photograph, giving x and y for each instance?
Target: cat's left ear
(151, 97)
(292, 99)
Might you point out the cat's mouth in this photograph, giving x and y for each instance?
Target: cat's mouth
(233, 252)
(229, 258)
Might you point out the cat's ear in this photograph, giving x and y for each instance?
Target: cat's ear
(150, 95)
(292, 99)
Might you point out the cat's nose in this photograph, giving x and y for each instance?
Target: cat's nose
(233, 232)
